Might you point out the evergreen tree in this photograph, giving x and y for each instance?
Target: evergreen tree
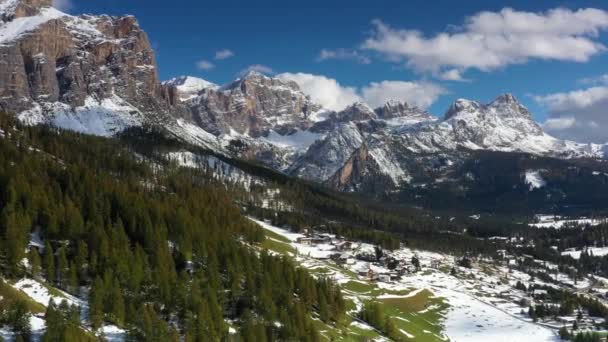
(35, 262)
(49, 262)
(62, 267)
(18, 319)
(96, 303)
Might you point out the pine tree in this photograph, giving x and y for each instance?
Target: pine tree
(73, 281)
(96, 303)
(80, 260)
(18, 319)
(35, 262)
(62, 267)
(117, 304)
(49, 262)
(16, 233)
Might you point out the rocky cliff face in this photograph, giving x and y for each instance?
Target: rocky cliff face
(254, 105)
(57, 67)
(396, 109)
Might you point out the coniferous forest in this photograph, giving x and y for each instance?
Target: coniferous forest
(155, 250)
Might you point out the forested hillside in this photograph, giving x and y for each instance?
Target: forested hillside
(156, 250)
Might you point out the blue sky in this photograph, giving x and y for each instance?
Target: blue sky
(288, 36)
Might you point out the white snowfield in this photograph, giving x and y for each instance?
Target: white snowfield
(470, 320)
(41, 294)
(472, 316)
(594, 251)
(534, 179)
(554, 221)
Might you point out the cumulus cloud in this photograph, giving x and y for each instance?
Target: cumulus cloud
(492, 40)
(452, 75)
(343, 54)
(422, 94)
(63, 5)
(204, 65)
(578, 115)
(559, 124)
(323, 90)
(223, 54)
(332, 95)
(257, 68)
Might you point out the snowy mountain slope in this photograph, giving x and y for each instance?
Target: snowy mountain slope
(104, 118)
(188, 87)
(327, 155)
(502, 125)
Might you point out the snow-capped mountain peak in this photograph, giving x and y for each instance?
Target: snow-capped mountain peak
(508, 105)
(460, 106)
(402, 112)
(189, 87)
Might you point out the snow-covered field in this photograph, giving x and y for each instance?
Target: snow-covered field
(595, 251)
(553, 221)
(472, 320)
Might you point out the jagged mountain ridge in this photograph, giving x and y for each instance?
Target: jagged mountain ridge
(100, 76)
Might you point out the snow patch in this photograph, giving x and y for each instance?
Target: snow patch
(534, 179)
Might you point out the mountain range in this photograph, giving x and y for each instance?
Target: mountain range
(98, 75)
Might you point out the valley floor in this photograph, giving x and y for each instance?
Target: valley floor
(427, 305)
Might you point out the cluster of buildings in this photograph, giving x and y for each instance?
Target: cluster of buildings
(370, 263)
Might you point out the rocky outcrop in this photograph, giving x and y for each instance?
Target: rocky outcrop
(254, 105)
(59, 61)
(327, 155)
(396, 109)
(187, 88)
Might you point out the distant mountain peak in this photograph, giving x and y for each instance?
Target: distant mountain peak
(397, 109)
(189, 87)
(506, 98)
(461, 105)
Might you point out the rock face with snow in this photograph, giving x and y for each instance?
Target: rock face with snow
(254, 105)
(188, 87)
(394, 109)
(403, 152)
(96, 74)
(327, 155)
(502, 125)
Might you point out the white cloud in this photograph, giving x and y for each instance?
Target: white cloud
(559, 124)
(344, 54)
(602, 79)
(579, 115)
(323, 90)
(422, 94)
(63, 5)
(257, 68)
(204, 65)
(223, 54)
(492, 40)
(332, 95)
(452, 75)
